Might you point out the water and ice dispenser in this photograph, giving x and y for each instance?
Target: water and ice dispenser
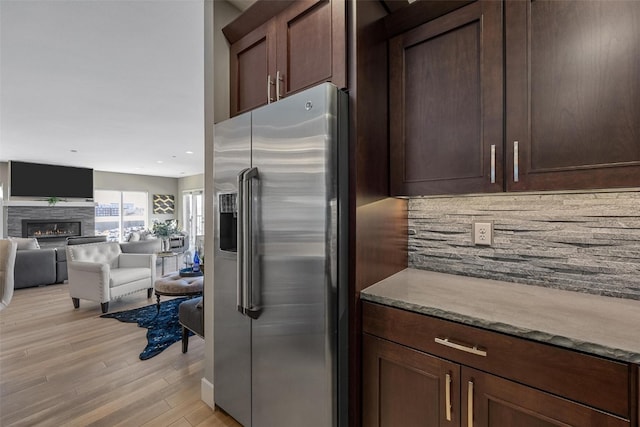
(228, 216)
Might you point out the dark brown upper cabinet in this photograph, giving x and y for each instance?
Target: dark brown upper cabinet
(446, 104)
(572, 99)
(298, 47)
(572, 94)
(253, 67)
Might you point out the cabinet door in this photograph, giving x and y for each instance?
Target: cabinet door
(572, 94)
(404, 387)
(311, 45)
(252, 65)
(446, 118)
(491, 401)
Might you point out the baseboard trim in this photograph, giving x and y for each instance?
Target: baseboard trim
(206, 393)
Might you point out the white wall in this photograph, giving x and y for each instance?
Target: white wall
(130, 182)
(4, 186)
(216, 104)
(195, 182)
(4, 179)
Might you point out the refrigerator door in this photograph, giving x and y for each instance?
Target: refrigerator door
(232, 330)
(294, 338)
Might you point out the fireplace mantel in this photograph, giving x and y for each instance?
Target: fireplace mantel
(46, 204)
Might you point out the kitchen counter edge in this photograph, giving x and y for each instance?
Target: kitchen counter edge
(588, 323)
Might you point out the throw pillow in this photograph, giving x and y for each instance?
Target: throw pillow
(26, 242)
(134, 237)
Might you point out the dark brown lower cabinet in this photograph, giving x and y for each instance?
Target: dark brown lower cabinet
(408, 388)
(491, 401)
(420, 371)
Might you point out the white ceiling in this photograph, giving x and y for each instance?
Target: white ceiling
(115, 85)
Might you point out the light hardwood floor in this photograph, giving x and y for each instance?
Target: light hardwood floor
(66, 367)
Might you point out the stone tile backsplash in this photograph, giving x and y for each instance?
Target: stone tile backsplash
(586, 242)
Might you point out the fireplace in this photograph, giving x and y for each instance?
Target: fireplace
(50, 229)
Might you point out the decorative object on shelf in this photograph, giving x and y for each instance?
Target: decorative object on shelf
(163, 204)
(53, 200)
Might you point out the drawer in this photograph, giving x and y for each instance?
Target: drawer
(592, 380)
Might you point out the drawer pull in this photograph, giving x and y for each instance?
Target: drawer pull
(493, 164)
(466, 348)
(269, 84)
(516, 167)
(447, 397)
(279, 81)
(470, 405)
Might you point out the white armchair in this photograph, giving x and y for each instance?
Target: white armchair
(100, 272)
(7, 263)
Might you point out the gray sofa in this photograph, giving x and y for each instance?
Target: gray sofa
(37, 266)
(34, 267)
(150, 246)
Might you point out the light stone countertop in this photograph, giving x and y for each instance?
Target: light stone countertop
(597, 325)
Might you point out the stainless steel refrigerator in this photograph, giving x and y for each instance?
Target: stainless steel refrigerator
(280, 267)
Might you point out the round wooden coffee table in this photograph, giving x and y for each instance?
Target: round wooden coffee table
(172, 284)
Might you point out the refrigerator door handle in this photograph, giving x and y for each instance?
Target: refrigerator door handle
(251, 276)
(240, 230)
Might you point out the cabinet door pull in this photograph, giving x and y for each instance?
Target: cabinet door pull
(269, 84)
(466, 348)
(493, 163)
(470, 405)
(278, 80)
(516, 172)
(447, 397)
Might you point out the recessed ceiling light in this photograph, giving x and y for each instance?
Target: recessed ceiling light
(159, 161)
(189, 152)
(74, 151)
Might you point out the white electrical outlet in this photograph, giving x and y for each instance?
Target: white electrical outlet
(483, 233)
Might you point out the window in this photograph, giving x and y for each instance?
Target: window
(193, 216)
(118, 213)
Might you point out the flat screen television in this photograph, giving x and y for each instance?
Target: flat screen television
(40, 180)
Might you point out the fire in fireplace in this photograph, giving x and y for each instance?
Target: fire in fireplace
(51, 228)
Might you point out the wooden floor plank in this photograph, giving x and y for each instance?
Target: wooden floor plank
(172, 415)
(65, 367)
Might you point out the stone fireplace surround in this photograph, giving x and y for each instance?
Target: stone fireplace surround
(16, 212)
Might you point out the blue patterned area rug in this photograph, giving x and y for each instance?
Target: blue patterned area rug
(163, 329)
